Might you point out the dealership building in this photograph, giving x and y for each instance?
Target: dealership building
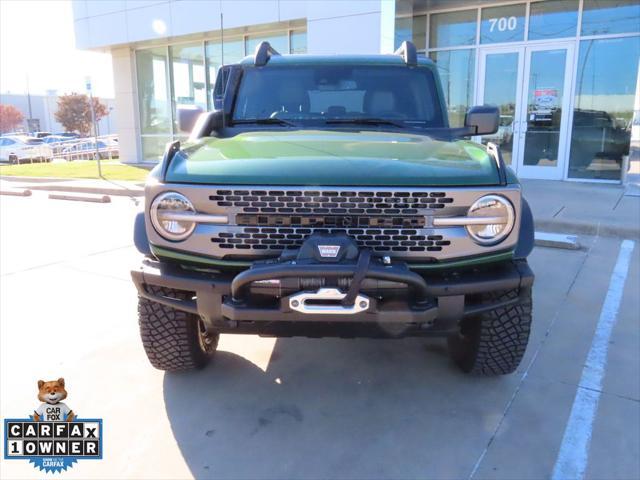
(564, 73)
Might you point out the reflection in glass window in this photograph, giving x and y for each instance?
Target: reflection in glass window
(602, 116)
(553, 19)
(277, 41)
(153, 96)
(610, 16)
(544, 107)
(412, 29)
(502, 24)
(453, 29)
(187, 68)
(153, 146)
(456, 70)
(500, 89)
(298, 41)
(213, 59)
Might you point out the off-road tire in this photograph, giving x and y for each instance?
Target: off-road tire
(173, 340)
(494, 343)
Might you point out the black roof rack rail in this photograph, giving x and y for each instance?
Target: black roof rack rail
(264, 51)
(408, 52)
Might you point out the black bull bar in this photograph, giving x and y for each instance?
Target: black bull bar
(436, 304)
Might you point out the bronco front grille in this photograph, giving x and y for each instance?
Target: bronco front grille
(323, 202)
(387, 221)
(379, 240)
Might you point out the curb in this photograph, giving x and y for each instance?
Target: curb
(556, 240)
(95, 190)
(16, 193)
(584, 228)
(81, 198)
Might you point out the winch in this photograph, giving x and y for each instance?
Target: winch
(328, 274)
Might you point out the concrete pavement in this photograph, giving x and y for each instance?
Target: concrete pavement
(302, 408)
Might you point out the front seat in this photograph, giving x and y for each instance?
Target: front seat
(293, 98)
(379, 103)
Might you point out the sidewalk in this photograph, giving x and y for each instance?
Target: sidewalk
(102, 187)
(561, 207)
(584, 208)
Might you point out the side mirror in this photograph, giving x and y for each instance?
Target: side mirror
(207, 125)
(187, 117)
(482, 119)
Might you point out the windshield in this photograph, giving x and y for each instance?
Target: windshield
(339, 94)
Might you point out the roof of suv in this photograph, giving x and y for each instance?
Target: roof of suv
(299, 59)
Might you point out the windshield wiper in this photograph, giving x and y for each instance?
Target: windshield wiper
(265, 121)
(365, 121)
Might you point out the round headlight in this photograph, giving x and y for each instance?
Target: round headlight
(168, 212)
(499, 216)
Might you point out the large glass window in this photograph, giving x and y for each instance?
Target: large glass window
(187, 68)
(412, 29)
(553, 19)
(602, 117)
(153, 92)
(502, 24)
(610, 16)
(153, 146)
(185, 74)
(453, 29)
(213, 59)
(298, 41)
(456, 69)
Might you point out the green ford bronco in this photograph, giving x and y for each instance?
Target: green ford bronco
(328, 196)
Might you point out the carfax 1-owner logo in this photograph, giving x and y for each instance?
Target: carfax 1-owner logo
(53, 438)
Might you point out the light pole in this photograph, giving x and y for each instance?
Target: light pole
(50, 93)
(93, 121)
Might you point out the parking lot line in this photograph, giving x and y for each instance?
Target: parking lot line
(574, 450)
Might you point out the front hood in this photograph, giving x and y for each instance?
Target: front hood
(316, 157)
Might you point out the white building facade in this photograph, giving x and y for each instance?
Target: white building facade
(564, 73)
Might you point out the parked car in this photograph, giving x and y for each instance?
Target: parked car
(68, 134)
(22, 148)
(86, 150)
(40, 134)
(596, 134)
(58, 143)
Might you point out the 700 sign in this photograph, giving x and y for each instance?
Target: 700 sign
(503, 23)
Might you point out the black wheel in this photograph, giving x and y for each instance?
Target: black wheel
(173, 340)
(494, 343)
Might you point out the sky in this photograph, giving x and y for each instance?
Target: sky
(37, 41)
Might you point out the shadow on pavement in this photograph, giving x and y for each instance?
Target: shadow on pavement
(334, 408)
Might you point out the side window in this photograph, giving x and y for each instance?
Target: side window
(220, 87)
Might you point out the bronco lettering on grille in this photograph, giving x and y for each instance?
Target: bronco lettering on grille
(346, 221)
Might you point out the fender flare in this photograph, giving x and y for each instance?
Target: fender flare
(527, 233)
(140, 239)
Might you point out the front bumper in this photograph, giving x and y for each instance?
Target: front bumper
(224, 302)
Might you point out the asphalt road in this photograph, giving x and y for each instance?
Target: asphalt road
(304, 408)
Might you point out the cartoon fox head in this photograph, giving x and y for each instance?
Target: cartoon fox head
(51, 392)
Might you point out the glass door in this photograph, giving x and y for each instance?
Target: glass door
(500, 82)
(544, 112)
(530, 86)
